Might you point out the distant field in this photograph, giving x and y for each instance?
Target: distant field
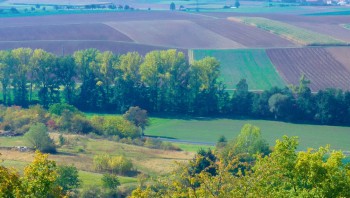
(290, 32)
(173, 33)
(88, 31)
(209, 130)
(246, 35)
(251, 64)
(319, 66)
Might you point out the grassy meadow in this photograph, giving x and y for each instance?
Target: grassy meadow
(80, 150)
(298, 35)
(252, 64)
(209, 130)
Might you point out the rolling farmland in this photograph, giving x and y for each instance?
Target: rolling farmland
(253, 65)
(173, 33)
(246, 35)
(88, 31)
(317, 64)
(298, 35)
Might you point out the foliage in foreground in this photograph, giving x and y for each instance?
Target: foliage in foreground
(39, 180)
(282, 173)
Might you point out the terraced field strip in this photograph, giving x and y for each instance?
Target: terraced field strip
(252, 64)
(244, 34)
(319, 66)
(296, 34)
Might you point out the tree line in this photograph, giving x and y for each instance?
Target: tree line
(160, 82)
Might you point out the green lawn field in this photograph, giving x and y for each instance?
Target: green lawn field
(209, 130)
(251, 64)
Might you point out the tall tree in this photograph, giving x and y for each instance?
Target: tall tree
(66, 72)
(128, 83)
(6, 70)
(21, 66)
(45, 77)
(242, 99)
(204, 85)
(87, 66)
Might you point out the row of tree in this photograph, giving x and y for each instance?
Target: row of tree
(161, 82)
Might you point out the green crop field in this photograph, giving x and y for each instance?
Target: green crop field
(298, 35)
(209, 130)
(251, 64)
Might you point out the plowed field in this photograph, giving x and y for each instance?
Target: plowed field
(341, 54)
(317, 64)
(173, 33)
(88, 31)
(244, 34)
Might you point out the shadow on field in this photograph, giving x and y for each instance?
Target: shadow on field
(64, 153)
(156, 136)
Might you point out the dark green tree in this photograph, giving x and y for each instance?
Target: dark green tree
(38, 138)
(172, 6)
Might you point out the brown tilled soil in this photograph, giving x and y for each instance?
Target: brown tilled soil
(173, 33)
(341, 54)
(88, 31)
(244, 34)
(69, 47)
(96, 18)
(317, 64)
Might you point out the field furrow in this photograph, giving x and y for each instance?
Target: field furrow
(173, 33)
(88, 31)
(317, 64)
(244, 34)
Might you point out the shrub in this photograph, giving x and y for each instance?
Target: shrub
(113, 164)
(80, 124)
(114, 126)
(38, 138)
(68, 178)
(110, 181)
(58, 108)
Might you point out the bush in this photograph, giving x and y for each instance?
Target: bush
(80, 124)
(113, 164)
(114, 126)
(38, 138)
(91, 192)
(58, 108)
(68, 178)
(110, 181)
